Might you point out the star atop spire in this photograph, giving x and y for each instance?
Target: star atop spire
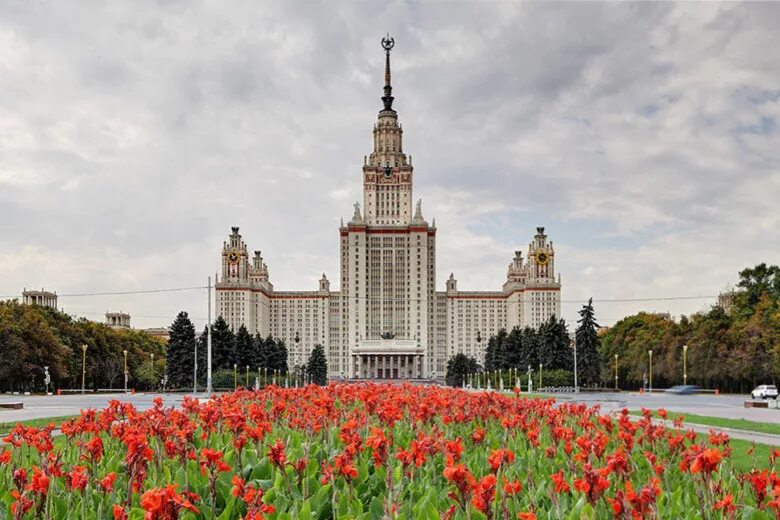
(387, 44)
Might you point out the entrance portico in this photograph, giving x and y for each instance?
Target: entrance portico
(388, 359)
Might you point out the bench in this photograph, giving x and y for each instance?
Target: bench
(12, 405)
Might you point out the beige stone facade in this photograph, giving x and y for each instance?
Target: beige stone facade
(387, 320)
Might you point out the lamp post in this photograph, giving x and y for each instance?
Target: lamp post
(265, 377)
(247, 376)
(540, 376)
(125, 353)
(616, 372)
(685, 364)
(235, 376)
(195, 371)
(83, 367)
(209, 388)
(152, 369)
(530, 381)
(576, 386)
(650, 354)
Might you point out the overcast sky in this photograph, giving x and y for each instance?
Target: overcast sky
(134, 134)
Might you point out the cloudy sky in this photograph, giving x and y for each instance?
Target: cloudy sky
(643, 136)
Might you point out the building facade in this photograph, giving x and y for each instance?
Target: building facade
(43, 298)
(387, 320)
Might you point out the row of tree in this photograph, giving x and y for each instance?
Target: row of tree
(34, 337)
(227, 349)
(550, 346)
(733, 347)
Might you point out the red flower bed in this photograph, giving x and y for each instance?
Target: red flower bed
(374, 451)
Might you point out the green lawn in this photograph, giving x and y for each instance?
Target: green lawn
(720, 422)
(743, 461)
(5, 427)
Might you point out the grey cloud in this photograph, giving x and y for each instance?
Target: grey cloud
(133, 135)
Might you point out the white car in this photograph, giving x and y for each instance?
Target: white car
(764, 392)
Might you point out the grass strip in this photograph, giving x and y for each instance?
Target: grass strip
(6, 427)
(721, 422)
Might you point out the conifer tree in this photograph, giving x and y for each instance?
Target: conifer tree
(459, 367)
(245, 355)
(588, 344)
(317, 366)
(223, 345)
(180, 352)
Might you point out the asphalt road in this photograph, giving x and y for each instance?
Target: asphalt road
(39, 406)
(729, 406)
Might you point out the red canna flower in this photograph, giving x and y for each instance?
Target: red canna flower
(5, 456)
(707, 461)
(107, 482)
(726, 504)
(454, 448)
(512, 488)
(484, 492)
(561, 486)
(478, 435)
(77, 478)
(39, 483)
(165, 503)
(276, 455)
(119, 512)
(94, 448)
(499, 457)
(526, 516)
(20, 505)
(212, 460)
(463, 480)
(379, 445)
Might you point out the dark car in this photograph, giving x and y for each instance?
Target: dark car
(683, 389)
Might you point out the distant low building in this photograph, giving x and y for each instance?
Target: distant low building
(42, 298)
(162, 333)
(118, 320)
(726, 301)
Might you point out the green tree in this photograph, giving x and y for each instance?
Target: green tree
(458, 368)
(245, 349)
(588, 344)
(180, 353)
(317, 366)
(528, 349)
(223, 345)
(756, 282)
(553, 342)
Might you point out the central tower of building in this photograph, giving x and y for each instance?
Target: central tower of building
(388, 261)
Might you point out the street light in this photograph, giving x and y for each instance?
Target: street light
(540, 376)
(247, 376)
(235, 376)
(83, 367)
(576, 386)
(152, 369)
(685, 364)
(616, 373)
(125, 353)
(650, 353)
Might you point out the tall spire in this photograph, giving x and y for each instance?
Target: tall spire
(387, 44)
